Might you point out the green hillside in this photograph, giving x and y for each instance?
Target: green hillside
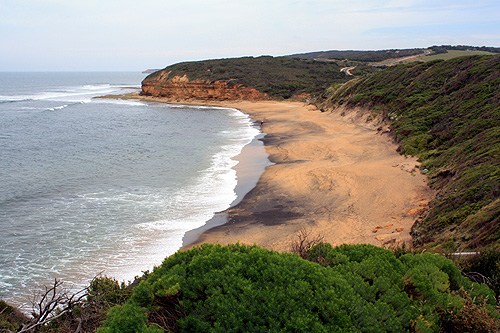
(279, 77)
(469, 48)
(362, 56)
(453, 54)
(448, 114)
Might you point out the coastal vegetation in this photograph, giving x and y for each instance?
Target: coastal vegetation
(305, 75)
(447, 48)
(450, 54)
(377, 56)
(240, 288)
(448, 114)
(362, 56)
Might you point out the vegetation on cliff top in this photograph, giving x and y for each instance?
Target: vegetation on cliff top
(381, 55)
(447, 113)
(363, 56)
(278, 77)
(446, 48)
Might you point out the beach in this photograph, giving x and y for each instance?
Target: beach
(335, 174)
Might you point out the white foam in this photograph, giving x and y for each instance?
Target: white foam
(212, 192)
(58, 107)
(71, 94)
(15, 98)
(119, 101)
(96, 87)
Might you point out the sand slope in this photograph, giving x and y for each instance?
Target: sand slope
(333, 174)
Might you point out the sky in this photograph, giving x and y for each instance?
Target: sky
(134, 35)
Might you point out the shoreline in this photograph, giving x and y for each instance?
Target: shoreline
(333, 173)
(252, 162)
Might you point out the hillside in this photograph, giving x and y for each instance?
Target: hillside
(447, 48)
(276, 77)
(378, 56)
(370, 61)
(358, 55)
(448, 114)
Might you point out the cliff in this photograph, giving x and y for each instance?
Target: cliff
(244, 78)
(180, 87)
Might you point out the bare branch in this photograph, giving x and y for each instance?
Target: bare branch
(478, 278)
(54, 302)
(304, 242)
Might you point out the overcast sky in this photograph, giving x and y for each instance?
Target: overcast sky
(140, 34)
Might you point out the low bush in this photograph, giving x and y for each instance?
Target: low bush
(239, 288)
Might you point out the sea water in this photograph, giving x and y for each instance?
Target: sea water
(104, 186)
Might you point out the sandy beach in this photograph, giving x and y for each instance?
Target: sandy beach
(335, 174)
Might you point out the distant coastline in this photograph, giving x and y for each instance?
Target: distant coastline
(149, 71)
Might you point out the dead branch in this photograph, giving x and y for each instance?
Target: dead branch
(478, 278)
(304, 242)
(53, 303)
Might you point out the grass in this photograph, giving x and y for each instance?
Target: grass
(452, 54)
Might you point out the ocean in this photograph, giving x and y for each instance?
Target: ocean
(104, 186)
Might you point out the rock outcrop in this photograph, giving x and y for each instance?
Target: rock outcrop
(181, 88)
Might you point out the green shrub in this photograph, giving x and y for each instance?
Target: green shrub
(484, 268)
(425, 291)
(89, 313)
(239, 288)
(128, 318)
(10, 318)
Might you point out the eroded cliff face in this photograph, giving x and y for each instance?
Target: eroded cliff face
(180, 88)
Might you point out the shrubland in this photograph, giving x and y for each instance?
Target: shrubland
(358, 288)
(359, 55)
(241, 288)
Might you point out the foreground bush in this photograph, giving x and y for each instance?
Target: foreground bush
(240, 288)
(10, 317)
(443, 299)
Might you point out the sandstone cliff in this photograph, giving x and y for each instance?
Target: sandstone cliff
(246, 78)
(180, 88)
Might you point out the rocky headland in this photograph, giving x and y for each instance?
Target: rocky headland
(182, 88)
